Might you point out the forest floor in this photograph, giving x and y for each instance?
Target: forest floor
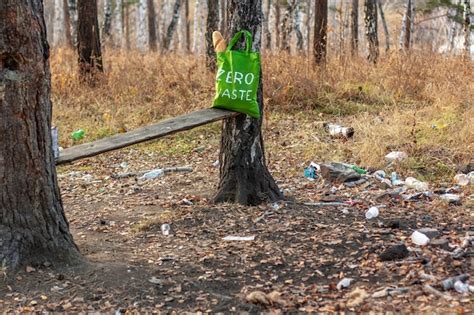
(298, 256)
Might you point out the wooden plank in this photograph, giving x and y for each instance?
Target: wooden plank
(158, 130)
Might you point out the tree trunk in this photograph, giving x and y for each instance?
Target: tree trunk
(298, 21)
(244, 177)
(67, 25)
(107, 26)
(467, 29)
(59, 37)
(371, 30)
(355, 27)
(152, 39)
(287, 26)
(88, 41)
(188, 26)
(277, 26)
(171, 27)
(454, 26)
(320, 31)
(407, 22)
(385, 26)
(197, 27)
(33, 227)
(118, 25)
(212, 24)
(223, 17)
(142, 25)
(72, 8)
(268, 34)
(126, 18)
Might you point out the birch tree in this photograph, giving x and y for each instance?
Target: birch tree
(370, 8)
(152, 37)
(297, 25)
(59, 36)
(198, 27)
(72, 9)
(467, 29)
(107, 25)
(244, 177)
(385, 26)
(287, 25)
(33, 226)
(211, 25)
(142, 25)
(406, 31)
(172, 26)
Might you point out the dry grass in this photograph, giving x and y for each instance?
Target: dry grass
(420, 103)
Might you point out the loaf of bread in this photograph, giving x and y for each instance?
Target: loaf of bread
(219, 42)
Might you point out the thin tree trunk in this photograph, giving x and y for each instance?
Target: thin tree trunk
(467, 29)
(320, 31)
(107, 26)
(212, 24)
(385, 26)
(371, 30)
(33, 227)
(268, 34)
(244, 177)
(299, 34)
(287, 26)
(142, 29)
(277, 26)
(454, 27)
(59, 37)
(72, 8)
(152, 38)
(188, 26)
(171, 27)
(88, 39)
(67, 24)
(127, 24)
(118, 24)
(355, 27)
(197, 27)
(405, 36)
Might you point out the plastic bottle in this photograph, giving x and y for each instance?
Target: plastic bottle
(413, 183)
(395, 181)
(419, 238)
(165, 229)
(338, 131)
(78, 134)
(153, 174)
(372, 213)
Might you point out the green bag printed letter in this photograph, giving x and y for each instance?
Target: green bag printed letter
(237, 79)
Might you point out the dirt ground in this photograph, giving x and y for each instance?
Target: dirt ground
(299, 251)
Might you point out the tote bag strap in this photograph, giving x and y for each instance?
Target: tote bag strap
(237, 36)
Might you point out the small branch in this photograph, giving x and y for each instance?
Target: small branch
(430, 290)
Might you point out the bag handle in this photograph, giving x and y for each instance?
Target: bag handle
(237, 36)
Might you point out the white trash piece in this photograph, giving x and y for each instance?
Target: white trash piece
(462, 179)
(165, 229)
(372, 213)
(471, 177)
(451, 198)
(239, 238)
(344, 283)
(396, 156)
(55, 141)
(461, 287)
(413, 183)
(153, 174)
(419, 238)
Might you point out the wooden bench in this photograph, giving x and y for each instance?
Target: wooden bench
(150, 132)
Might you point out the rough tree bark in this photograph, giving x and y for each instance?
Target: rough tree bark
(355, 27)
(33, 227)
(244, 177)
(370, 7)
(142, 25)
(59, 36)
(223, 17)
(385, 26)
(268, 34)
(152, 38)
(287, 26)
(188, 26)
(320, 31)
(211, 26)
(172, 26)
(118, 24)
(88, 41)
(277, 25)
(405, 35)
(298, 22)
(467, 29)
(72, 8)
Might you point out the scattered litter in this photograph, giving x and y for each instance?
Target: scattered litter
(78, 134)
(311, 172)
(186, 202)
(324, 204)
(338, 131)
(216, 163)
(451, 198)
(448, 283)
(344, 283)
(461, 287)
(239, 238)
(419, 238)
(124, 165)
(413, 183)
(462, 179)
(165, 229)
(372, 213)
(395, 181)
(338, 172)
(155, 280)
(153, 174)
(396, 156)
(355, 183)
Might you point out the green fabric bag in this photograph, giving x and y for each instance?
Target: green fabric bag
(238, 77)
